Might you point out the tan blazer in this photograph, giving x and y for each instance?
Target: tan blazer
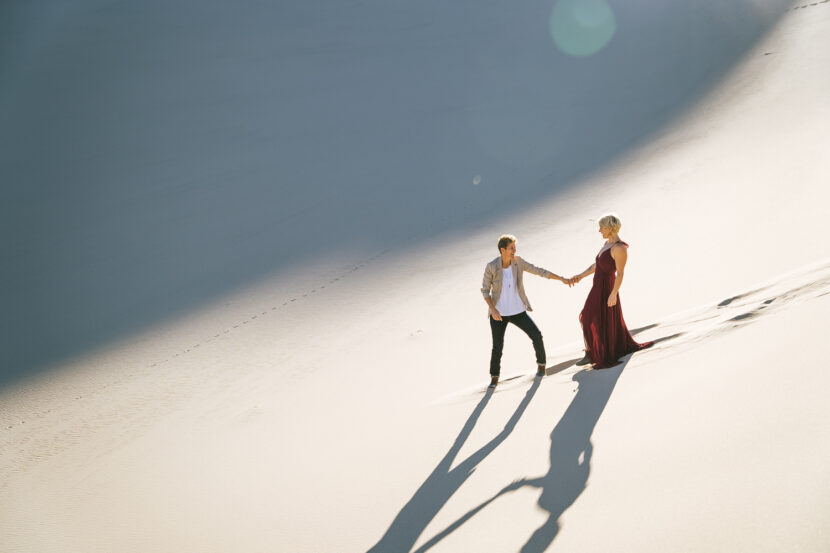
(491, 285)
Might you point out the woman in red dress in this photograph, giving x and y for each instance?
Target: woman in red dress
(606, 337)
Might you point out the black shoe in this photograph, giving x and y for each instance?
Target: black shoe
(585, 360)
(493, 381)
(541, 371)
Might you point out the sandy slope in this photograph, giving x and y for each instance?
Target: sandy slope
(353, 416)
(205, 148)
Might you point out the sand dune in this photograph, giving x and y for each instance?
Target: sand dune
(338, 404)
(206, 148)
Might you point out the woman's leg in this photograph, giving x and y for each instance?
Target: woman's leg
(523, 321)
(497, 329)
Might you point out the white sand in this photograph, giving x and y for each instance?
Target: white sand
(355, 415)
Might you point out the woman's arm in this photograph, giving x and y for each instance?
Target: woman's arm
(620, 255)
(493, 311)
(486, 285)
(589, 271)
(538, 271)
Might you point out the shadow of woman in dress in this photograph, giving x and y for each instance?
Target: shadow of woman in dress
(570, 459)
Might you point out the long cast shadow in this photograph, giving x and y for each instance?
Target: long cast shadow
(570, 459)
(443, 482)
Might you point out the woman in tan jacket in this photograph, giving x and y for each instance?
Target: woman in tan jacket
(503, 290)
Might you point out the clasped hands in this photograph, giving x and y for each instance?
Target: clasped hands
(612, 298)
(570, 281)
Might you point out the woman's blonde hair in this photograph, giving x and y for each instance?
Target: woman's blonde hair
(610, 221)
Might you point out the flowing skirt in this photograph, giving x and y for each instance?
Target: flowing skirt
(607, 339)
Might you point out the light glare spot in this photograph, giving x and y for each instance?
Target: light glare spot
(476, 180)
(582, 27)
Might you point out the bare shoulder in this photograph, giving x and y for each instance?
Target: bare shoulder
(620, 249)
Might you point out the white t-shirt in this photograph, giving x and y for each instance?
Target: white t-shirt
(509, 301)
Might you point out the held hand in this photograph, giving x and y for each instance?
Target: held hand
(495, 314)
(612, 299)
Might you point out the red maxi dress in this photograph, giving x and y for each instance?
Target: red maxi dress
(606, 337)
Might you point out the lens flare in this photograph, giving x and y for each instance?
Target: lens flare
(582, 27)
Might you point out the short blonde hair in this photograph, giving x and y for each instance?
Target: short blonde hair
(610, 221)
(505, 240)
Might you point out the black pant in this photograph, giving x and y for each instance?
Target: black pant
(523, 321)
